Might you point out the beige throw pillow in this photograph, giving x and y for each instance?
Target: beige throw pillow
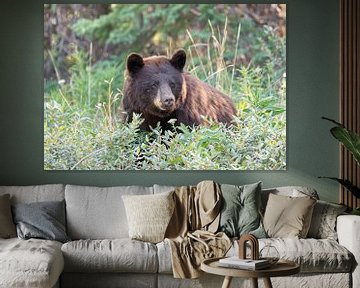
(149, 215)
(288, 217)
(7, 226)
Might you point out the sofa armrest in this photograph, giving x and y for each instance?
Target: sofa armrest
(348, 230)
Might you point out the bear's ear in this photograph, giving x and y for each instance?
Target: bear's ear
(178, 60)
(134, 63)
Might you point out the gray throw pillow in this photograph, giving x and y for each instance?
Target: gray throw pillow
(240, 213)
(44, 220)
(7, 227)
(323, 222)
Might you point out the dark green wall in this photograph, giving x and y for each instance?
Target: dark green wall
(312, 92)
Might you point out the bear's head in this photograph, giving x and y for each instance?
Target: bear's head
(156, 82)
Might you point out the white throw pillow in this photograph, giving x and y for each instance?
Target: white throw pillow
(149, 215)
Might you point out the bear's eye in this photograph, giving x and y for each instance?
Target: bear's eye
(152, 87)
(172, 85)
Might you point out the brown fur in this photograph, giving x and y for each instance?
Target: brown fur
(183, 97)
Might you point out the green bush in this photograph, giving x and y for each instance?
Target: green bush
(253, 142)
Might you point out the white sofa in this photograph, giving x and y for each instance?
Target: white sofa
(101, 255)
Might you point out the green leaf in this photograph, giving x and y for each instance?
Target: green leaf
(355, 211)
(349, 139)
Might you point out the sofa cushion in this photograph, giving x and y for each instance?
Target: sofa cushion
(323, 222)
(98, 213)
(163, 188)
(30, 263)
(35, 193)
(287, 216)
(117, 255)
(164, 257)
(240, 210)
(313, 255)
(7, 226)
(149, 215)
(43, 220)
(291, 191)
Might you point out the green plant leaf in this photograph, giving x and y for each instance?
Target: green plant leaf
(347, 184)
(355, 211)
(349, 139)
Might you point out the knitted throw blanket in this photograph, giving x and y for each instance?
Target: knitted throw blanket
(191, 232)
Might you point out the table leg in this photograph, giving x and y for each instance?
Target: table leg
(227, 282)
(267, 283)
(254, 282)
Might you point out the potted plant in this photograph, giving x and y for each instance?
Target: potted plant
(351, 141)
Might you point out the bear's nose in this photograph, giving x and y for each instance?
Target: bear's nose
(168, 101)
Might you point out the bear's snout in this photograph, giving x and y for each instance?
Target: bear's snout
(168, 102)
(165, 99)
(165, 103)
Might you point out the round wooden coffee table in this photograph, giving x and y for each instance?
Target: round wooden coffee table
(281, 268)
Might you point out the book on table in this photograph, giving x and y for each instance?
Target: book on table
(249, 264)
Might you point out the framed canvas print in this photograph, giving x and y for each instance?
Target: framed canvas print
(164, 86)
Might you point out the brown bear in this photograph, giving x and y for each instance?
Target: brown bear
(157, 88)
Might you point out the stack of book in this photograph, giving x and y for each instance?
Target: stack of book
(248, 264)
